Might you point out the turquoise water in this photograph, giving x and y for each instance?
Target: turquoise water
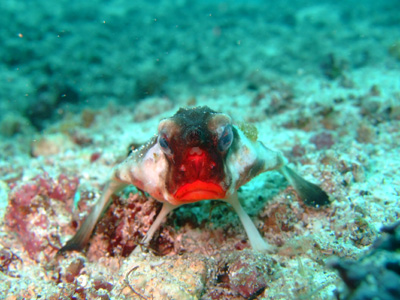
(72, 53)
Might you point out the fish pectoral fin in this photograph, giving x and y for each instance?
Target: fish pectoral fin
(82, 236)
(256, 240)
(165, 210)
(310, 193)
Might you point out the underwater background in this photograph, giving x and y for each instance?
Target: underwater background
(81, 83)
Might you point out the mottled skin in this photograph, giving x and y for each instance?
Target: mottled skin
(197, 155)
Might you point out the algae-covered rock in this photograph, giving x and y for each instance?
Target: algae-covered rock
(375, 275)
(13, 124)
(394, 50)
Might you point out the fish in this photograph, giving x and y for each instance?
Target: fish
(198, 154)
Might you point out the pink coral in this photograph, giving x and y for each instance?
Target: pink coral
(322, 140)
(31, 211)
(123, 226)
(247, 276)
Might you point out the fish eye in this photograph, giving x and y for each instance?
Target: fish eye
(225, 141)
(162, 141)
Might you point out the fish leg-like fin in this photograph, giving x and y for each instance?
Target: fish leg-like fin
(82, 236)
(256, 240)
(310, 193)
(165, 210)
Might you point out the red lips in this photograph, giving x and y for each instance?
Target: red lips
(199, 190)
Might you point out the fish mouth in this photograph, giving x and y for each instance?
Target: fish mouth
(199, 190)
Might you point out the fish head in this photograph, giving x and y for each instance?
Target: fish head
(196, 143)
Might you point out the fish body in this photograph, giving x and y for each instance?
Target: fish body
(198, 154)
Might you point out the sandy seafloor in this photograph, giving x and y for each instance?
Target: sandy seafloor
(82, 82)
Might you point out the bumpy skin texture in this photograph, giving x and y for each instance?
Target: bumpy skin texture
(197, 155)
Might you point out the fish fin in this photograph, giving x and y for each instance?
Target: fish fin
(310, 193)
(272, 160)
(165, 210)
(256, 240)
(82, 236)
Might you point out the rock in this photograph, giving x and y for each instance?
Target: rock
(177, 277)
(51, 144)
